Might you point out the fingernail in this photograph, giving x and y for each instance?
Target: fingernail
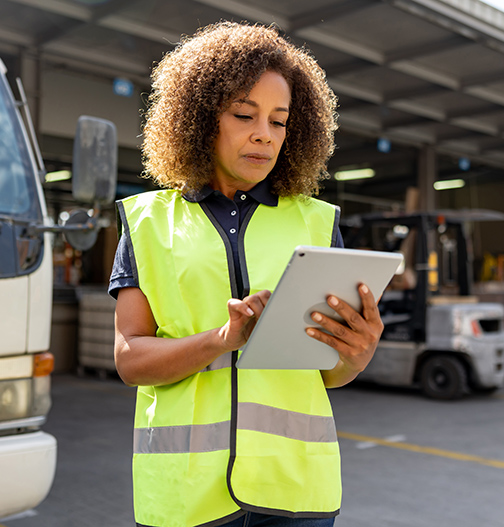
(310, 332)
(250, 313)
(333, 301)
(317, 317)
(364, 289)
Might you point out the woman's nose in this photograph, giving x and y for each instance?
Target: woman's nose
(261, 133)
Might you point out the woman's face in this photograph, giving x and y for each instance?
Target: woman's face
(251, 134)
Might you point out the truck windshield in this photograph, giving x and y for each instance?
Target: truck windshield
(18, 196)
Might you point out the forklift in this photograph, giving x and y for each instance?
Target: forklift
(437, 335)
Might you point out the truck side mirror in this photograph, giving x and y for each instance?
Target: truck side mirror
(94, 173)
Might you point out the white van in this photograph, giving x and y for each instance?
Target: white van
(27, 454)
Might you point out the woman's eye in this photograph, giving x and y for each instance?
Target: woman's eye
(279, 123)
(243, 117)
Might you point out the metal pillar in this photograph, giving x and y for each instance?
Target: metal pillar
(427, 175)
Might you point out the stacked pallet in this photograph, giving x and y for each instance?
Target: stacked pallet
(96, 333)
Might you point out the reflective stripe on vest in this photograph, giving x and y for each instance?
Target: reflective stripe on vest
(224, 361)
(215, 436)
(223, 439)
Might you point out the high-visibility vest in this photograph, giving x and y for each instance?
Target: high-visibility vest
(226, 440)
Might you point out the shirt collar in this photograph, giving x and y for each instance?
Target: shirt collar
(262, 193)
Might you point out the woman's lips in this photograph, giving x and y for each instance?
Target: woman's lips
(259, 159)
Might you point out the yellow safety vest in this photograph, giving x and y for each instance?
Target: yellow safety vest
(223, 440)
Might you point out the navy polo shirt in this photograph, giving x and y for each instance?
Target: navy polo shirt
(229, 213)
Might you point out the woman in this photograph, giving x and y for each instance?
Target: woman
(240, 129)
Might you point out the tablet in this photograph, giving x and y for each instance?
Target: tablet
(279, 340)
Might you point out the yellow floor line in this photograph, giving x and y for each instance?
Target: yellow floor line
(424, 450)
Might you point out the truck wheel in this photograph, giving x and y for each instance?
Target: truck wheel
(443, 377)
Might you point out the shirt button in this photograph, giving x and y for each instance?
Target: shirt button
(243, 197)
(232, 231)
(233, 213)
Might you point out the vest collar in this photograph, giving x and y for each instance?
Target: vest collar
(262, 193)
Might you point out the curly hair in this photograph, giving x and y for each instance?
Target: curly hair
(196, 82)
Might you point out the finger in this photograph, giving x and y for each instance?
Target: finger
(331, 340)
(369, 305)
(354, 340)
(263, 296)
(238, 308)
(346, 312)
(339, 331)
(256, 303)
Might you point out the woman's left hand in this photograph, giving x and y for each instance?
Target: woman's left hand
(354, 341)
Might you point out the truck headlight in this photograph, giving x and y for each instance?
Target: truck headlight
(15, 399)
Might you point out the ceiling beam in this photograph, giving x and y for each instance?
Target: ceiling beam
(478, 26)
(51, 35)
(425, 73)
(94, 17)
(487, 94)
(57, 62)
(248, 11)
(345, 45)
(408, 106)
(410, 93)
(491, 144)
(352, 66)
(411, 68)
(477, 126)
(121, 64)
(417, 108)
(482, 78)
(112, 7)
(344, 87)
(470, 112)
(391, 124)
(142, 30)
(15, 37)
(426, 48)
(328, 12)
(457, 134)
(58, 7)
(104, 16)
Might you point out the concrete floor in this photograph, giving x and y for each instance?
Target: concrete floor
(407, 461)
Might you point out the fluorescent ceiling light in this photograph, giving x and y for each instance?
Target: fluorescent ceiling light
(449, 184)
(60, 175)
(348, 175)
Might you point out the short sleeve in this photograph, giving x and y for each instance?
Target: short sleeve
(339, 240)
(122, 272)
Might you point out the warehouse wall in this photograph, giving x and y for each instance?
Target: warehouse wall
(66, 96)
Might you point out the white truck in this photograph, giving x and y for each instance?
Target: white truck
(27, 454)
(438, 336)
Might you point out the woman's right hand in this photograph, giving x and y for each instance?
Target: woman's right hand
(142, 358)
(243, 316)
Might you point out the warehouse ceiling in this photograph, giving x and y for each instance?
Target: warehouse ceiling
(413, 72)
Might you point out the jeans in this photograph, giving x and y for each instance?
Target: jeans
(253, 519)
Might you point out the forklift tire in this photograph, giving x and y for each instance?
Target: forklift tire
(443, 377)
